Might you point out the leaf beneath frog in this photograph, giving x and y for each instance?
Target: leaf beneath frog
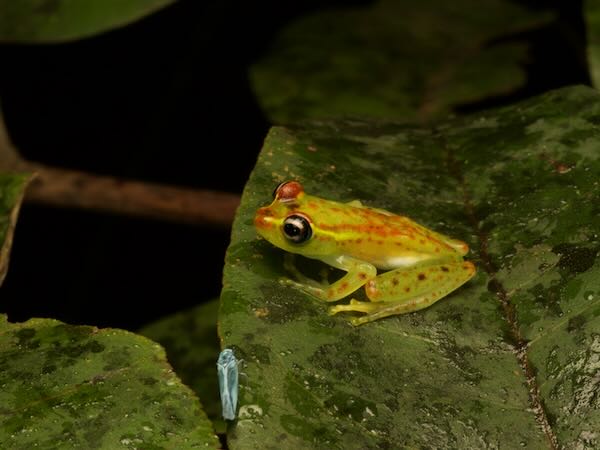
(509, 360)
(192, 345)
(12, 188)
(405, 60)
(67, 386)
(39, 21)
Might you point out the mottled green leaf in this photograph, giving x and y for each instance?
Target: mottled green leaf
(192, 345)
(33, 21)
(12, 188)
(66, 386)
(405, 60)
(510, 360)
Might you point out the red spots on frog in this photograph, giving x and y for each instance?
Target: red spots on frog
(445, 269)
(289, 191)
(406, 289)
(468, 266)
(422, 241)
(261, 223)
(358, 241)
(378, 230)
(395, 281)
(362, 275)
(265, 212)
(371, 288)
(343, 287)
(421, 276)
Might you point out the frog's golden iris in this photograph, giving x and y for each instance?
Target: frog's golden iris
(422, 266)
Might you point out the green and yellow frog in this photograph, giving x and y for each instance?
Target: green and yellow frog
(422, 266)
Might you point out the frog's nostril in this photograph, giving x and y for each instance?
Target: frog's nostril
(264, 211)
(261, 221)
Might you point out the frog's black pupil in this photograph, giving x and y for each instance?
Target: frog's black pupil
(297, 229)
(291, 230)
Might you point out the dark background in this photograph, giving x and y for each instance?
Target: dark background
(166, 99)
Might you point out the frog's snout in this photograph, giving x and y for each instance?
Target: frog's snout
(262, 218)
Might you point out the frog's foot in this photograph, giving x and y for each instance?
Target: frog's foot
(355, 305)
(301, 280)
(382, 310)
(376, 310)
(306, 285)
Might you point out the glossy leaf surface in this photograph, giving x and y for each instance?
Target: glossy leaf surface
(192, 345)
(67, 386)
(509, 360)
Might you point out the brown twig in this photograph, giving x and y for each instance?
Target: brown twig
(77, 189)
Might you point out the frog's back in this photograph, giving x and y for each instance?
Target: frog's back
(382, 238)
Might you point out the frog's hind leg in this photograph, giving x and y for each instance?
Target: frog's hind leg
(393, 308)
(406, 290)
(355, 305)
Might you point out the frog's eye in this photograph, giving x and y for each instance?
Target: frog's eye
(297, 229)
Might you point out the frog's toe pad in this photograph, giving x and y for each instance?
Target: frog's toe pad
(354, 305)
(334, 310)
(289, 282)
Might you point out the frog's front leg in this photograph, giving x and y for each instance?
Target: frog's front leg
(358, 273)
(402, 291)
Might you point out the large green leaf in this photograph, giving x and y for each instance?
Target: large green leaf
(406, 60)
(67, 386)
(12, 188)
(33, 21)
(510, 360)
(192, 345)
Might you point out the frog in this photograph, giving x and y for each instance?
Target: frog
(402, 265)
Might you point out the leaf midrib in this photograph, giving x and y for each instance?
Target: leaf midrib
(510, 316)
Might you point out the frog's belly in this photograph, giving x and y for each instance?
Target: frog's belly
(388, 262)
(394, 262)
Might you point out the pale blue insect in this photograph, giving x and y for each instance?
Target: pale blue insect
(227, 371)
